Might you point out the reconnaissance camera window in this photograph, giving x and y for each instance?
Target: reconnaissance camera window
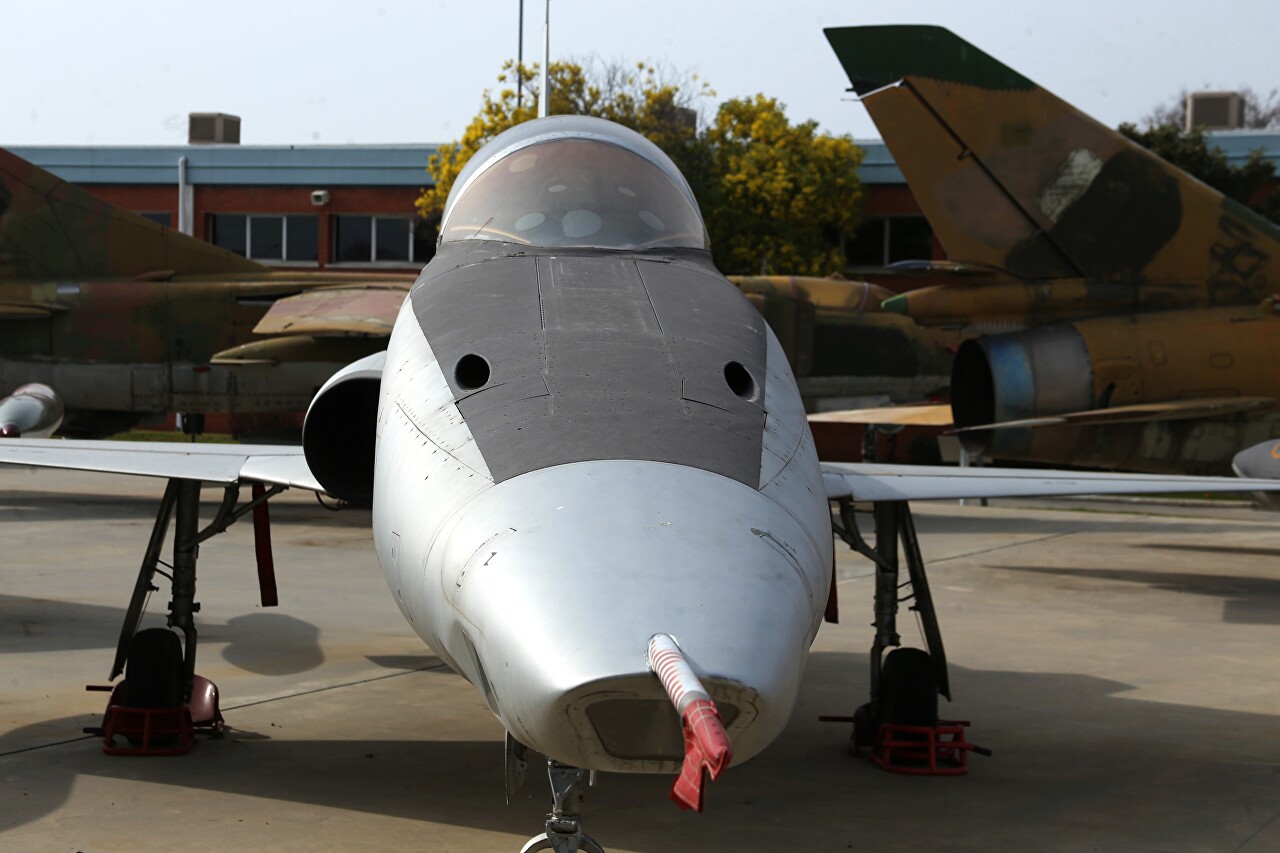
(576, 192)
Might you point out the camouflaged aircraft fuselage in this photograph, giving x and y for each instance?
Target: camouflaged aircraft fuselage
(1116, 280)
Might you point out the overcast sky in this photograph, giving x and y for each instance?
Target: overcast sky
(339, 71)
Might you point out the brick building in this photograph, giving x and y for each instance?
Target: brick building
(351, 206)
(303, 207)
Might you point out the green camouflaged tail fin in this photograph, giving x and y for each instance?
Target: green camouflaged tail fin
(1012, 176)
(50, 229)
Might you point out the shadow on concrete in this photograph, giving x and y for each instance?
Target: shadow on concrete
(1212, 549)
(1076, 765)
(1245, 600)
(45, 625)
(35, 505)
(409, 663)
(49, 732)
(270, 643)
(263, 643)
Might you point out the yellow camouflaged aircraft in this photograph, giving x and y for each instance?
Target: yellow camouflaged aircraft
(1125, 312)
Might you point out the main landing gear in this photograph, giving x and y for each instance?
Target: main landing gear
(900, 725)
(161, 701)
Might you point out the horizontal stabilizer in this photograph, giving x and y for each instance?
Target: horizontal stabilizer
(364, 310)
(937, 415)
(871, 482)
(945, 268)
(831, 293)
(1174, 410)
(211, 463)
(296, 349)
(24, 312)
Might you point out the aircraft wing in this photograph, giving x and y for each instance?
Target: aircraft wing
(939, 414)
(1171, 410)
(930, 414)
(872, 482)
(285, 465)
(367, 309)
(212, 463)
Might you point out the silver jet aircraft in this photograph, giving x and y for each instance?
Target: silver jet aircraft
(595, 494)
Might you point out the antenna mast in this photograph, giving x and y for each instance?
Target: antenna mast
(546, 61)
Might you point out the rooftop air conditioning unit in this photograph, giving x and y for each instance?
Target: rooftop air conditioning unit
(1214, 111)
(213, 128)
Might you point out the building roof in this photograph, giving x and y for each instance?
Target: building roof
(878, 166)
(401, 165)
(1239, 144)
(239, 165)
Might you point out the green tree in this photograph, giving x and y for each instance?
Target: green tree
(1260, 111)
(782, 196)
(1252, 183)
(642, 97)
(776, 197)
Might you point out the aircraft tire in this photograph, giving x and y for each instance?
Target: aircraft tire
(153, 672)
(909, 688)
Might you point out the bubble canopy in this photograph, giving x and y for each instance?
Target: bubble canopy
(573, 181)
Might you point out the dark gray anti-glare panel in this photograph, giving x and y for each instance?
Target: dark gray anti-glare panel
(599, 356)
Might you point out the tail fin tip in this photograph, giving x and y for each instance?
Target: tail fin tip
(878, 56)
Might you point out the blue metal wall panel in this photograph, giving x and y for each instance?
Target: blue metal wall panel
(239, 165)
(386, 165)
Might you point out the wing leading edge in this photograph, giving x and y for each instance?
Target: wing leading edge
(871, 482)
(210, 463)
(286, 466)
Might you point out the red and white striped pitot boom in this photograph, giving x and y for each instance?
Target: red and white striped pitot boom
(706, 745)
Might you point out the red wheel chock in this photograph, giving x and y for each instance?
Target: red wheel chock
(939, 750)
(160, 731)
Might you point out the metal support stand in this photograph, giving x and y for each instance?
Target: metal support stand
(870, 438)
(181, 500)
(183, 606)
(564, 825)
(894, 524)
(886, 595)
(143, 587)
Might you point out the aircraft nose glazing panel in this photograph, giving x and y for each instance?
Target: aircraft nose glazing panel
(596, 356)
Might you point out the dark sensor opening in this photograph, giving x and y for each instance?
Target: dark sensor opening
(472, 372)
(739, 380)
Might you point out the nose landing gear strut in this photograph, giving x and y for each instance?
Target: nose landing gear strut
(564, 825)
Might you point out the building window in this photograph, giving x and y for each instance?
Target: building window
(302, 237)
(227, 231)
(266, 237)
(887, 239)
(910, 239)
(381, 239)
(159, 217)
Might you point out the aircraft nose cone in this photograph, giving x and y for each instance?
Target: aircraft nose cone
(1261, 461)
(561, 576)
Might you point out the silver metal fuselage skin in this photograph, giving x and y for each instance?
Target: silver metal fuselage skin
(605, 483)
